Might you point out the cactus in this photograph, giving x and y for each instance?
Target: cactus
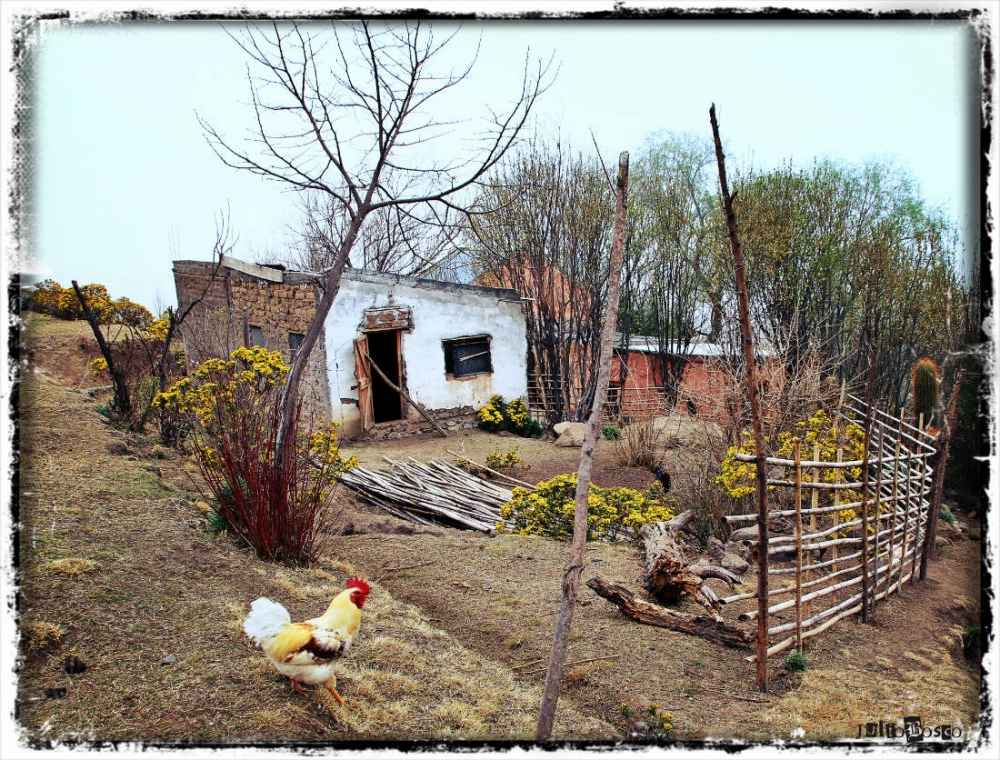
(925, 390)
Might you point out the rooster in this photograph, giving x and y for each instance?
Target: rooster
(306, 652)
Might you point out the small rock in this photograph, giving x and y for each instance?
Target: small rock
(170, 659)
(738, 548)
(74, 664)
(55, 692)
(735, 564)
(941, 542)
(715, 548)
(572, 434)
(780, 525)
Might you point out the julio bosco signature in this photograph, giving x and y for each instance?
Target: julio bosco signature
(912, 730)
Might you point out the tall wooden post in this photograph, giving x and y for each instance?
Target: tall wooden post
(743, 300)
(814, 503)
(571, 581)
(798, 545)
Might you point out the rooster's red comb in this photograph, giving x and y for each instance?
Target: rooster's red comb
(360, 584)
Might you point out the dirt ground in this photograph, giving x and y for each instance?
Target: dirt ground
(117, 560)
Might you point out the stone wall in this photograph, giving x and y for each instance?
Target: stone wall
(462, 418)
(234, 300)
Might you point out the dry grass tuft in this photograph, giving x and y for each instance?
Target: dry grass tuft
(39, 633)
(71, 566)
(832, 701)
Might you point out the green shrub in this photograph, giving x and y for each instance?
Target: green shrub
(611, 432)
(972, 642)
(796, 662)
(947, 515)
(612, 512)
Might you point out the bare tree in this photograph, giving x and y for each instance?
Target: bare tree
(571, 580)
(393, 240)
(347, 115)
(544, 227)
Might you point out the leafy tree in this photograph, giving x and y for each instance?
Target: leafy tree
(833, 249)
(668, 262)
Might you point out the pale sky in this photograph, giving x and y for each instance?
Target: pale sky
(124, 181)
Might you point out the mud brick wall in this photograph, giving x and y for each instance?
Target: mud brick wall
(461, 418)
(215, 326)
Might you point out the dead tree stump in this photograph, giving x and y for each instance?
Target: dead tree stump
(668, 575)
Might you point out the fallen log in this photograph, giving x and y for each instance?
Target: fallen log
(668, 576)
(698, 625)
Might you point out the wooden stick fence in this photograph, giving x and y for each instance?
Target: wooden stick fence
(875, 529)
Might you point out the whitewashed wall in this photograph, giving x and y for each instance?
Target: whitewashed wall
(441, 311)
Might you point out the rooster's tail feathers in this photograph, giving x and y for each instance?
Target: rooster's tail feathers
(265, 620)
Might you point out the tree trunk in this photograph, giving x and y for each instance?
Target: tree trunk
(930, 547)
(651, 614)
(123, 400)
(743, 300)
(571, 581)
(667, 575)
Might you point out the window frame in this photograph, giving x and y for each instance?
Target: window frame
(450, 344)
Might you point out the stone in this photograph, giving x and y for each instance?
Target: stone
(572, 434)
(738, 548)
(715, 548)
(735, 564)
(941, 542)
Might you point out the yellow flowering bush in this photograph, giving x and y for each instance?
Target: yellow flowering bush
(98, 366)
(514, 416)
(491, 415)
(498, 461)
(737, 479)
(234, 406)
(549, 510)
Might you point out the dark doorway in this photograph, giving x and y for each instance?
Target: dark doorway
(383, 350)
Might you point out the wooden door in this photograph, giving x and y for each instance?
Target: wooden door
(364, 375)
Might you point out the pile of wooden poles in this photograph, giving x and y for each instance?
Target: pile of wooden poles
(435, 492)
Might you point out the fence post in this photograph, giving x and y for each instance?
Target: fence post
(798, 546)
(892, 519)
(836, 513)
(814, 503)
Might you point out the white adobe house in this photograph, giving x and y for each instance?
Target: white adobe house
(391, 345)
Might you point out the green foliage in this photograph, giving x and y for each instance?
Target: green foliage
(796, 662)
(972, 642)
(611, 432)
(947, 515)
(611, 512)
(926, 381)
(498, 461)
(234, 407)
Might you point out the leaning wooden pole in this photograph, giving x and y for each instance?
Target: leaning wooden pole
(743, 300)
(571, 581)
(937, 492)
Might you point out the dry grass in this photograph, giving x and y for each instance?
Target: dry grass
(452, 650)
(70, 566)
(39, 633)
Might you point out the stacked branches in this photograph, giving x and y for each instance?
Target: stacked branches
(435, 492)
